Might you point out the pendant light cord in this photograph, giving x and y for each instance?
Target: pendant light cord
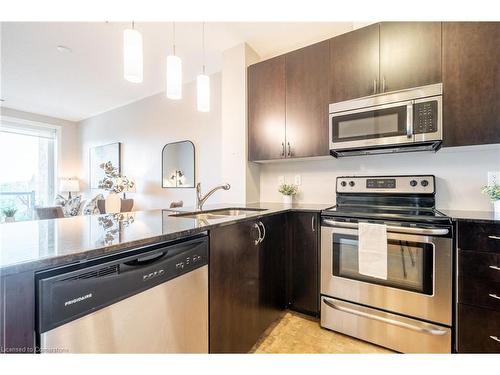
(203, 44)
(173, 39)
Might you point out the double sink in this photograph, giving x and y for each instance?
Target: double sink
(220, 213)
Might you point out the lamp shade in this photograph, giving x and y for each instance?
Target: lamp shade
(69, 185)
(174, 77)
(132, 55)
(203, 92)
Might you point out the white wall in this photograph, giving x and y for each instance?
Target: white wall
(144, 127)
(69, 146)
(243, 176)
(460, 173)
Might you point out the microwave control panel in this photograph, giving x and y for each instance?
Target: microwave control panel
(425, 117)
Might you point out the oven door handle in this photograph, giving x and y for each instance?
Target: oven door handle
(392, 228)
(435, 330)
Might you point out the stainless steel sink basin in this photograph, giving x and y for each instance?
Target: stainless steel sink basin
(219, 214)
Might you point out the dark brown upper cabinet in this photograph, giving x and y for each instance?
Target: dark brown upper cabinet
(307, 101)
(354, 64)
(471, 83)
(410, 55)
(266, 109)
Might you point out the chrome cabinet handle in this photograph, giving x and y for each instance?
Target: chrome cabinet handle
(289, 153)
(391, 228)
(282, 149)
(374, 86)
(494, 237)
(313, 220)
(435, 331)
(263, 230)
(496, 268)
(495, 338)
(258, 240)
(383, 83)
(494, 296)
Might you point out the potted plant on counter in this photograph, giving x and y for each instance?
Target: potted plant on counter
(493, 192)
(9, 214)
(288, 191)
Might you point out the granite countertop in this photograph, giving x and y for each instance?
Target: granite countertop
(484, 216)
(42, 244)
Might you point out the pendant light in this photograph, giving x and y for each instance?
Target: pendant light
(203, 82)
(174, 73)
(132, 55)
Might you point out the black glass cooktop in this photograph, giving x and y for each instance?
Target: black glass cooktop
(381, 212)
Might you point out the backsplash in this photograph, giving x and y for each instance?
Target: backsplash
(460, 173)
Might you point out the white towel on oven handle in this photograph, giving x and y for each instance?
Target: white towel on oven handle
(372, 250)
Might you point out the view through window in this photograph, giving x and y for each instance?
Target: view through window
(27, 172)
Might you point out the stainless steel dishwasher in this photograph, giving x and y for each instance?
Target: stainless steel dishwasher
(151, 300)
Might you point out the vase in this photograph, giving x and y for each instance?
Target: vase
(496, 208)
(112, 204)
(10, 219)
(287, 199)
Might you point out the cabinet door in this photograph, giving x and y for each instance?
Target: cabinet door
(234, 288)
(307, 101)
(410, 55)
(266, 109)
(272, 270)
(304, 270)
(354, 64)
(471, 89)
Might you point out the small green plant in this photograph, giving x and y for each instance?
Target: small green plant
(288, 189)
(9, 212)
(492, 191)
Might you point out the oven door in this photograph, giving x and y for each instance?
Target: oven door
(376, 126)
(419, 271)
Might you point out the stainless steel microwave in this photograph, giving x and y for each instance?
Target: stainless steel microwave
(398, 121)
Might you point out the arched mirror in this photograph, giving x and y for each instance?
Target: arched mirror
(178, 165)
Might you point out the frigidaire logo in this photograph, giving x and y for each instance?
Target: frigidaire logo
(79, 299)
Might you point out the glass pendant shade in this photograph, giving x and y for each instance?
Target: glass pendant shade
(203, 92)
(174, 77)
(132, 55)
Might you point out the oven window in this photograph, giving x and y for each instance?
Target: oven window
(370, 124)
(409, 264)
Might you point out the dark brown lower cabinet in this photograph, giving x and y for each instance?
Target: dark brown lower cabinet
(247, 282)
(478, 320)
(478, 330)
(303, 270)
(17, 313)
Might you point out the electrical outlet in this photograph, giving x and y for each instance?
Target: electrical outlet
(281, 180)
(493, 178)
(298, 180)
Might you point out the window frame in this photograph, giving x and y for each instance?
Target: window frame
(58, 142)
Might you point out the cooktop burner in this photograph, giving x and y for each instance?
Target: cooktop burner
(402, 198)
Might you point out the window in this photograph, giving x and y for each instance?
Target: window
(27, 166)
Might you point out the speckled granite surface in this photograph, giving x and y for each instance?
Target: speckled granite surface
(484, 216)
(42, 244)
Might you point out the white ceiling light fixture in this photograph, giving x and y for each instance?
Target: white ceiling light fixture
(64, 49)
(132, 55)
(203, 81)
(174, 72)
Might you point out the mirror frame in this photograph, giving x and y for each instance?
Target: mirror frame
(194, 166)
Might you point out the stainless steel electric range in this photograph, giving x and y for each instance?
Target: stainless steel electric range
(409, 310)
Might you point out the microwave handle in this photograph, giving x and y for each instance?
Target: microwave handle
(409, 120)
(392, 228)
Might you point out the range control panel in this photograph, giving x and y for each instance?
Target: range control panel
(422, 184)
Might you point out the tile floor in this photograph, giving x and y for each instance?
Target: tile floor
(296, 333)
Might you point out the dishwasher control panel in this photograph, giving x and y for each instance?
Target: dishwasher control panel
(67, 294)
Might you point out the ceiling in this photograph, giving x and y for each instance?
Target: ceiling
(36, 77)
